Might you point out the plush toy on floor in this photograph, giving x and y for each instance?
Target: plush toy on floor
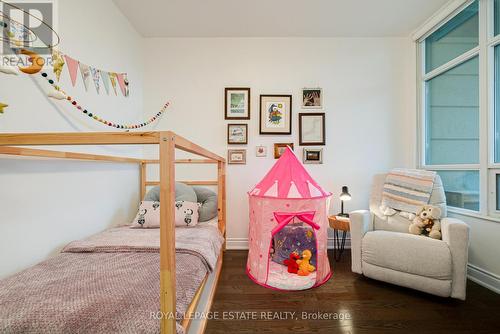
(427, 222)
(304, 267)
(291, 263)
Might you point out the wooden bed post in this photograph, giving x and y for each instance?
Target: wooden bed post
(143, 180)
(167, 233)
(221, 194)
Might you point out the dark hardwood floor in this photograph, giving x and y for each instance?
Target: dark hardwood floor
(368, 306)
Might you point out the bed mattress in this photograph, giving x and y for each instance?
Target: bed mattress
(108, 283)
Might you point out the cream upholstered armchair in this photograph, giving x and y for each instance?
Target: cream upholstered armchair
(383, 249)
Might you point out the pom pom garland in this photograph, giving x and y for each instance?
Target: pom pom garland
(103, 121)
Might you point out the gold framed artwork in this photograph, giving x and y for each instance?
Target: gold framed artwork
(237, 103)
(311, 129)
(237, 134)
(279, 148)
(312, 98)
(275, 115)
(237, 157)
(313, 156)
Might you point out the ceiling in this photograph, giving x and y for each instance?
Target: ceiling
(277, 18)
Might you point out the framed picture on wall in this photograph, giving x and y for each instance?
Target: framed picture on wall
(313, 156)
(311, 129)
(275, 115)
(237, 103)
(312, 98)
(237, 134)
(261, 151)
(279, 148)
(237, 157)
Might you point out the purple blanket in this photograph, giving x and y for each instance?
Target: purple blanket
(294, 238)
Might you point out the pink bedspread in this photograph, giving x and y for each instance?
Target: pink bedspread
(98, 290)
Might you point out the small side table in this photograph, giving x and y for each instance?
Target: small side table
(339, 224)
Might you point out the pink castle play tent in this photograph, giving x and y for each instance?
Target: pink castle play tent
(288, 211)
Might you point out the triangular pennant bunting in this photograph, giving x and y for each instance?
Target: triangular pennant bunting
(58, 63)
(121, 82)
(96, 76)
(105, 80)
(127, 88)
(60, 60)
(85, 71)
(72, 68)
(112, 78)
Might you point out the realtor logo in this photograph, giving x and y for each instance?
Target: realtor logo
(26, 25)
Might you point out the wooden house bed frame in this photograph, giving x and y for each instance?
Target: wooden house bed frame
(168, 142)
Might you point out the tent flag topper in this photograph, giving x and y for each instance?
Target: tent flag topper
(288, 213)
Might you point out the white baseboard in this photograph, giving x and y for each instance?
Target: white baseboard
(483, 277)
(242, 243)
(237, 243)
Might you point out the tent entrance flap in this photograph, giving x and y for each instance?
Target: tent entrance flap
(284, 218)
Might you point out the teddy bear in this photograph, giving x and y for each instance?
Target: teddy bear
(304, 267)
(427, 222)
(293, 267)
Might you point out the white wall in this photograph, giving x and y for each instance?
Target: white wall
(45, 204)
(369, 94)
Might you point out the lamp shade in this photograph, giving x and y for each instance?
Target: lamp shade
(345, 196)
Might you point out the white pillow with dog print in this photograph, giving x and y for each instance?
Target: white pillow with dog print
(148, 216)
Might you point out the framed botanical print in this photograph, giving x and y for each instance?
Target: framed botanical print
(237, 103)
(312, 98)
(311, 129)
(313, 156)
(275, 115)
(237, 134)
(237, 157)
(279, 148)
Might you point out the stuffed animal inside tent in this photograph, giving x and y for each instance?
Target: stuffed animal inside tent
(304, 267)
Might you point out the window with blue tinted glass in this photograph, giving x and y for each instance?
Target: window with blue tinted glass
(452, 116)
(461, 188)
(496, 18)
(497, 103)
(454, 38)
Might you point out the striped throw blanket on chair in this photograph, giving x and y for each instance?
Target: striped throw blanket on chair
(407, 189)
